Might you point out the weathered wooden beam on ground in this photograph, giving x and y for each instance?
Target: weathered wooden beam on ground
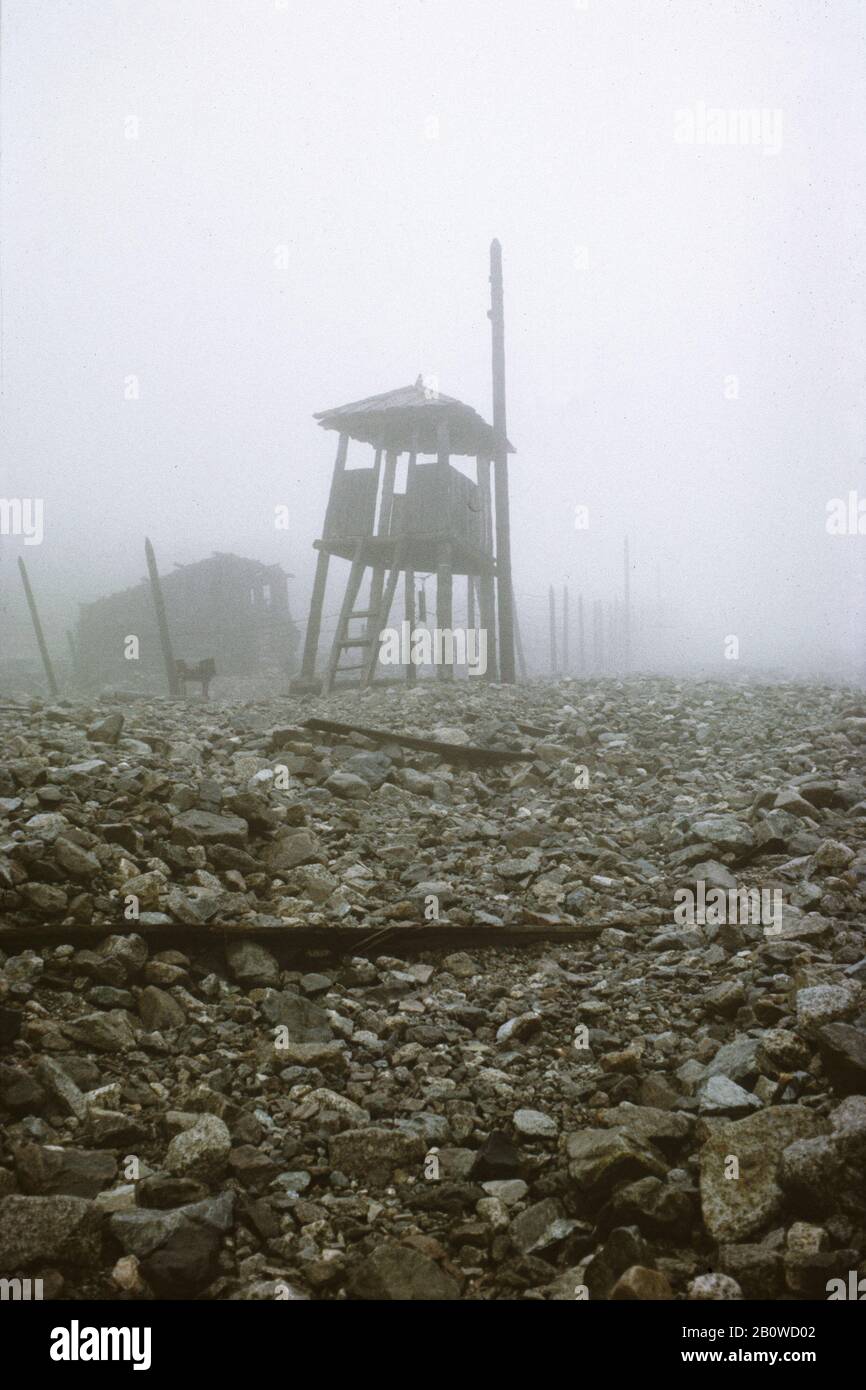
(449, 752)
(355, 939)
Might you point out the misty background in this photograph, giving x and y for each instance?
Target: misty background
(262, 209)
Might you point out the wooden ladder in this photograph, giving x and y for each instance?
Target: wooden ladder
(343, 640)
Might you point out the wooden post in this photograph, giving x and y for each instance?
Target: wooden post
(162, 622)
(551, 604)
(626, 620)
(518, 639)
(565, 658)
(377, 579)
(443, 443)
(581, 656)
(444, 609)
(597, 636)
(37, 628)
(611, 636)
(409, 615)
(323, 559)
(444, 571)
(503, 527)
(487, 584)
(73, 656)
(409, 575)
(387, 503)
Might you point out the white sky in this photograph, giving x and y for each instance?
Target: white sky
(310, 126)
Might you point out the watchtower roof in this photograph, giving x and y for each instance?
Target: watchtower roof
(409, 418)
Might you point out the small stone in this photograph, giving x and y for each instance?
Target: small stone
(843, 1054)
(396, 1273)
(497, 1159)
(43, 1230)
(126, 1277)
(540, 1226)
(509, 1191)
(107, 730)
(200, 1152)
(519, 1029)
(158, 1011)
(208, 828)
(736, 1208)
(646, 1285)
(291, 848)
(104, 1032)
(372, 1154)
(719, 1095)
(61, 1086)
(535, 1125)
(252, 964)
(713, 1288)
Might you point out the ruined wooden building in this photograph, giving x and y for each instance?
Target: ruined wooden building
(229, 608)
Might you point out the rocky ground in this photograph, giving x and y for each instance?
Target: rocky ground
(659, 1109)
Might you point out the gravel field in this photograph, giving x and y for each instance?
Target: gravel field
(672, 1104)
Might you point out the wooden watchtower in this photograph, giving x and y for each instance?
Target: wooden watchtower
(393, 519)
(428, 518)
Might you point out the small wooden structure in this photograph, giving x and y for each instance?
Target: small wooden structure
(430, 518)
(202, 673)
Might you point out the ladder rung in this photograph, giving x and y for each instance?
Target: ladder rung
(354, 642)
(364, 613)
(341, 669)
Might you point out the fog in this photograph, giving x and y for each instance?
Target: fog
(219, 216)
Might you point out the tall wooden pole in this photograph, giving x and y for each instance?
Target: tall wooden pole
(323, 560)
(409, 615)
(518, 640)
(503, 525)
(626, 620)
(487, 591)
(409, 575)
(597, 635)
(611, 637)
(565, 656)
(73, 655)
(551, 607)
(37, 628)
(444, 613)
(377, 577)
(162, 622)
(581, 658)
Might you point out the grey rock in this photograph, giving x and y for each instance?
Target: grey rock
(396, 1273)
(48, 1230)
(719, 1095)
(736, 1208)
(158, 1011)
(104, 1032)
(207, 828)
(372, 1154)
(200, 1152)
